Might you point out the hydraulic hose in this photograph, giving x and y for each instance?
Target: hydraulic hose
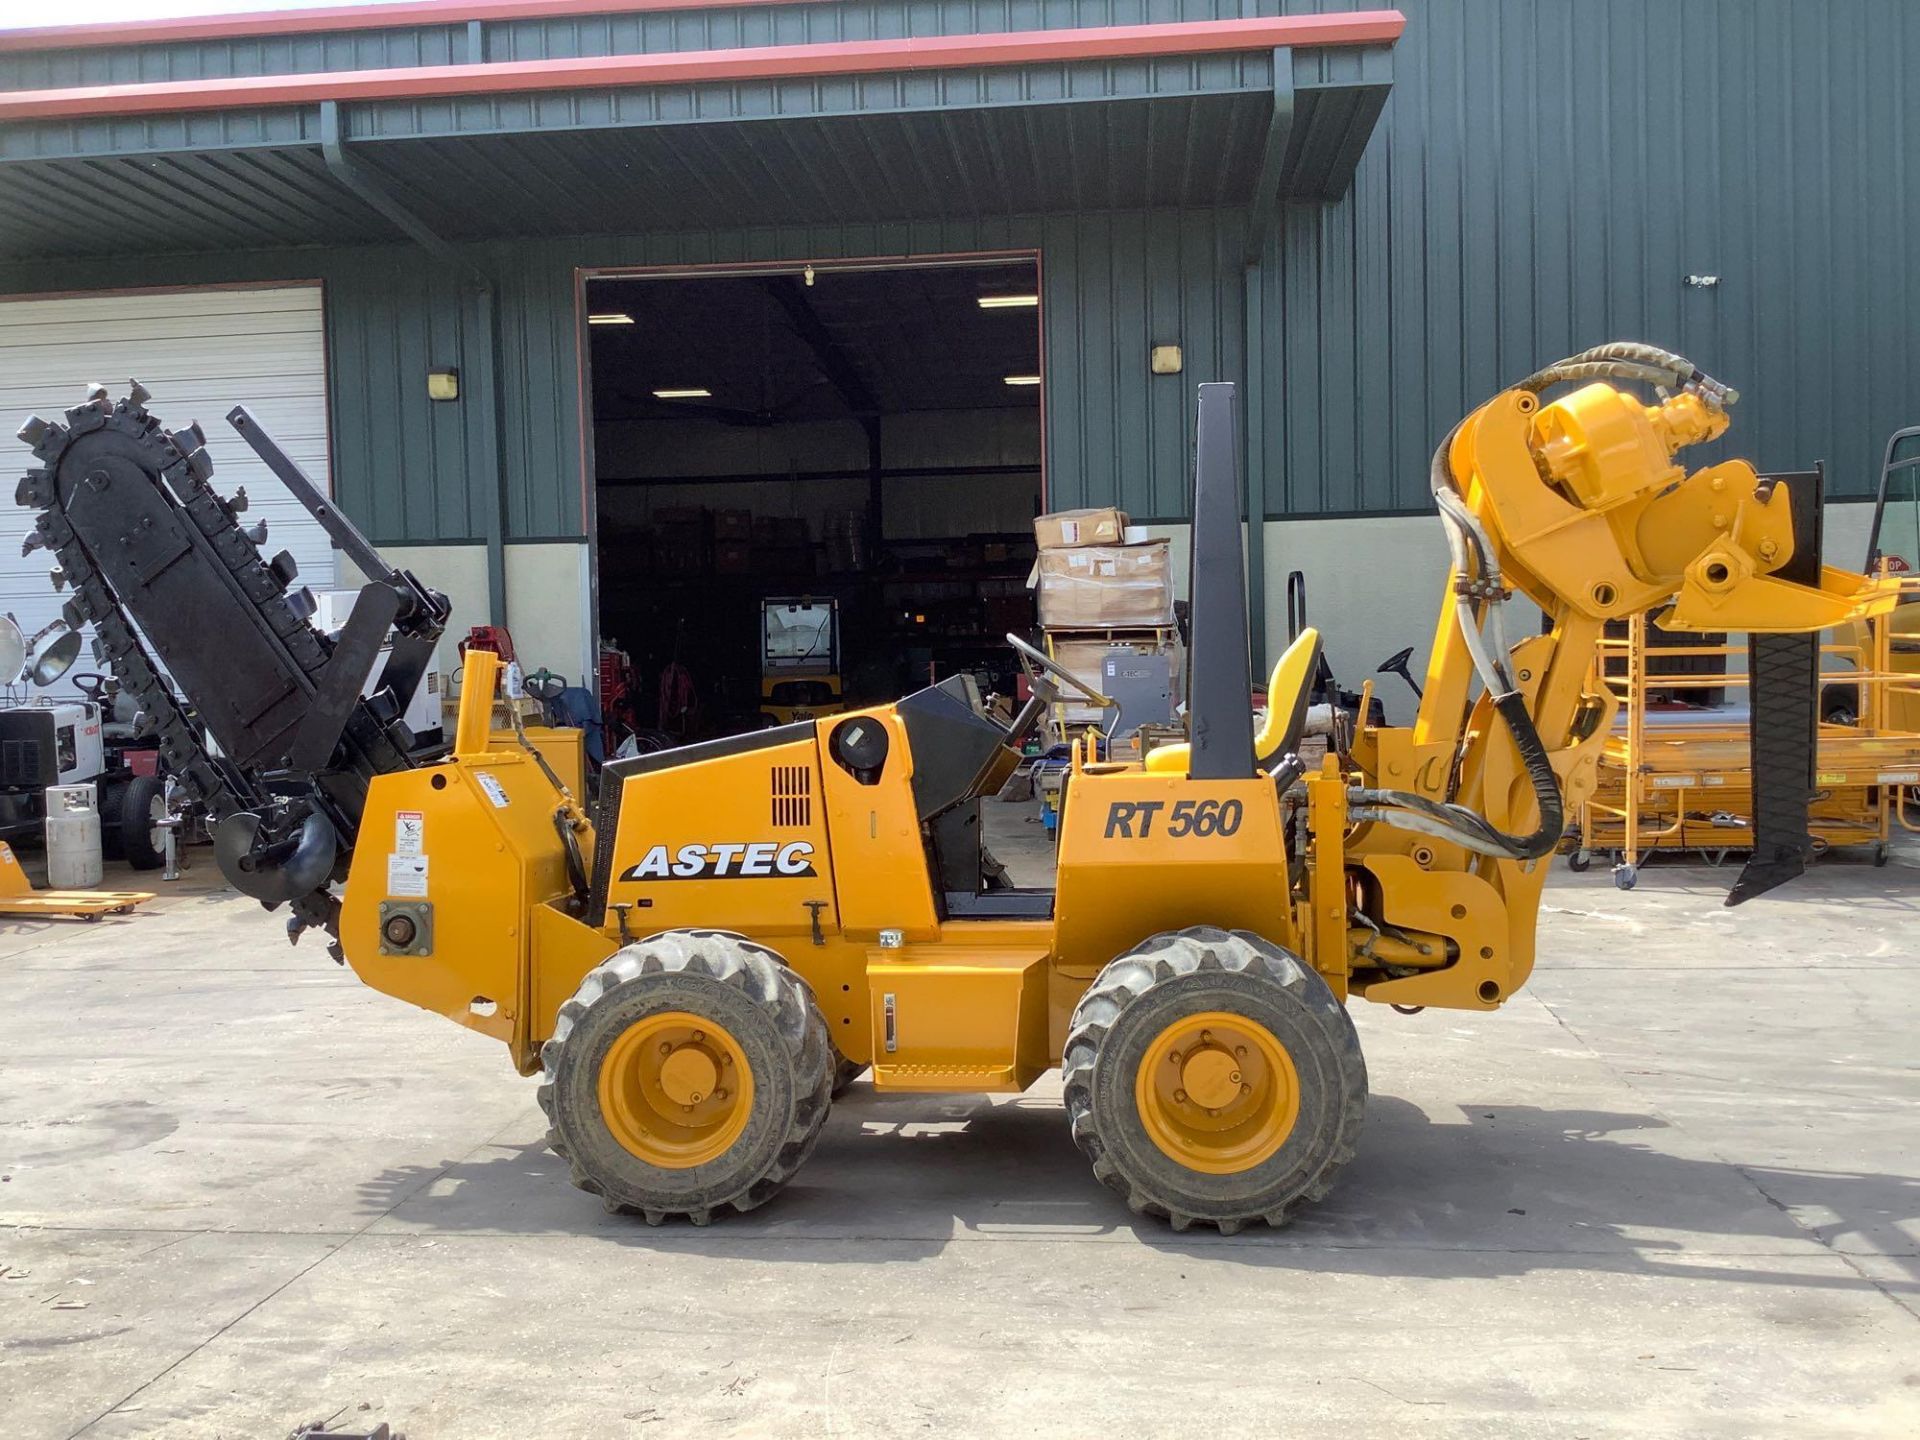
(1478, 581)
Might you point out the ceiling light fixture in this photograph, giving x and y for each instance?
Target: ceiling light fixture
(1023, 379)
(610, 317)
(687, 394)
(1009, 302)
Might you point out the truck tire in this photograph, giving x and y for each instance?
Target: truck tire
(689, 1074)
(1212, 1077)
(143, 801)
(112, 791)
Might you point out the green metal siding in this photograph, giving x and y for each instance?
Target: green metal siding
(400, 461)
(568, 37)
(1119, 282)
(1546, 175)
(1114, 285)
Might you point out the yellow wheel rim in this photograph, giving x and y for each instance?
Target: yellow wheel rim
(1217, 1092)
(675, 1090)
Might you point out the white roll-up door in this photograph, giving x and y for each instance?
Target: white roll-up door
(200, 353)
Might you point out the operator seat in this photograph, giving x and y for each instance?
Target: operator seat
(1288, 690)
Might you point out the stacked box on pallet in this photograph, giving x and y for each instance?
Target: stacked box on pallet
(682, 539)
(1100, 587)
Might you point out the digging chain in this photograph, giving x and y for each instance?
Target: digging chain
(180, 460)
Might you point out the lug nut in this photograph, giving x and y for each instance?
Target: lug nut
(1246, 1089)
(719, 1094)
(698, 1036)
(1179, 1097)
(666, 1047)
(1240, 1052)
(1174, 1057)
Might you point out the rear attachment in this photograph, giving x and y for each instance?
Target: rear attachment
(177, 591)
(1784, 730)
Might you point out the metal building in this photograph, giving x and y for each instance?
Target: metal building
(1369, 219)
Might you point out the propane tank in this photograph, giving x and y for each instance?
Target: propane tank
(73, 837)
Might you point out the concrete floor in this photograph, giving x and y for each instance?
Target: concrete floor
(1673, 1189)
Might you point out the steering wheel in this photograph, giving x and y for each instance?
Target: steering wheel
(1046, 689)
(1396, 664)
(544, 685)
(91, 685)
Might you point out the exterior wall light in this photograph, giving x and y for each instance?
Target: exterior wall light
(443, 384)
(1167, 360)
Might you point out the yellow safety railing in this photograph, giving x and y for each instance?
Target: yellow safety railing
(1867, 771)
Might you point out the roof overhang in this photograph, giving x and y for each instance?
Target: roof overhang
(1225, 112)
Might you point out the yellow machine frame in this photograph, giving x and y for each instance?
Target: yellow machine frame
(839, 881)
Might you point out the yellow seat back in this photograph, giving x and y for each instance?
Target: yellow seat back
(1287, 691)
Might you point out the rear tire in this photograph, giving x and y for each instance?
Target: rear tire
(612, 1105)
(1304, 1101)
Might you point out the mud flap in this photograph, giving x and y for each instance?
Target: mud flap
(1783, 737)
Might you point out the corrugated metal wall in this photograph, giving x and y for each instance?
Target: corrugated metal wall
(1546, 175)
(1119, 283)
(1115, 285)
(400, 461)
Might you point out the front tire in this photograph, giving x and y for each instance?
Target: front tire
(1212, 1077)
(689, 1074)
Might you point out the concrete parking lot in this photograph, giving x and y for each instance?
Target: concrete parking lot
(1672, 1189)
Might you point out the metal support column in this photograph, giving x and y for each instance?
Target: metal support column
(486, 473)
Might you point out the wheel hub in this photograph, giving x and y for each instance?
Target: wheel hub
(1217, 1092)
(687, 1075)
(675, 1090)
(1211, 1077)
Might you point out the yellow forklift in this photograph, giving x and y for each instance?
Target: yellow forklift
(800, 658)
(743, 924)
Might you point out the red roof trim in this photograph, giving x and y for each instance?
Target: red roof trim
(336, 17)
(946, 52)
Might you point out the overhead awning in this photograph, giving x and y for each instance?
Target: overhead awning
(1245, 112)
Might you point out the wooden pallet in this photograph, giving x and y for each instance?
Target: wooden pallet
(18, 897)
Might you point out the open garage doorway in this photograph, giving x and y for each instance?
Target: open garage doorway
(815, 486)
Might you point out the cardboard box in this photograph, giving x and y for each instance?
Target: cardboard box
(1079, 527)
(1105, 587)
